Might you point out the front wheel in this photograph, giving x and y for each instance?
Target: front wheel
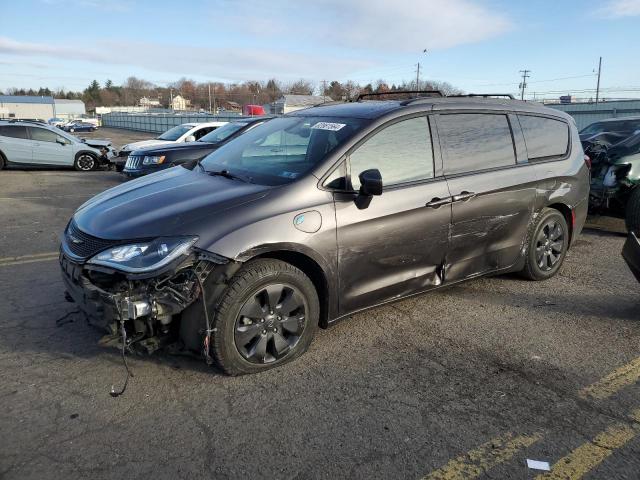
(548, 245)
(72, 130)
(267, 316)
(632, 212)
(85, 163)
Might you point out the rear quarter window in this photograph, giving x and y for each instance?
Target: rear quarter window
(13, 131)
(545, 138)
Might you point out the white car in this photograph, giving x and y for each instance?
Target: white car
(24, 143)
(187, 132)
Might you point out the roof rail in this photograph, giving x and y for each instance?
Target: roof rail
(485, 95)
(429, 93)
(24, 120)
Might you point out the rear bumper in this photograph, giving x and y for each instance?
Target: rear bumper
(631, 254)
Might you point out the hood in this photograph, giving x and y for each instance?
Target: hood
(97, 143)
(176, 201)
(144, 144)
(175, 147)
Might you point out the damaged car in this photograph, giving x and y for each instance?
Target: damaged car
(311, 217)
(35, 144)
(613, 147)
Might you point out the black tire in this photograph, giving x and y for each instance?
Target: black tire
(85, 162)
(632, 212)
(236, 335)
(3, 161)
(548, 242)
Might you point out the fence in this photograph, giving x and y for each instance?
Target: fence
(587, 113)
(159, 122)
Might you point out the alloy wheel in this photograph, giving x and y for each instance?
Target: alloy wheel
(86, 163)
(549, 245)
(270, 323)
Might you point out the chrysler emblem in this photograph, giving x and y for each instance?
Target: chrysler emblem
(75, 240)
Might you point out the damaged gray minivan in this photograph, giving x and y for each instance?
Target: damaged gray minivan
(321, 213)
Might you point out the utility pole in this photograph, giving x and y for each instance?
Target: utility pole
(324, 90)
(523, 84)
(418, 77)
(209, 97)
(215, 109)
(598, 86)
(171, 98)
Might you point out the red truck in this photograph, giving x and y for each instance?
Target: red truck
(253, 110)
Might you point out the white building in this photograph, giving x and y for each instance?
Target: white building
(24, 106)
(291, 103)
(180, 103)
(149, 102)
(68, 109)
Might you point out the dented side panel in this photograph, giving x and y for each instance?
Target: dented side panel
(394, 247)
(487, 231)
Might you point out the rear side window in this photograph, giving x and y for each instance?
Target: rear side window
(545, 138)
(13, 131)
(475, 141)
(402, 152)
(42, 135)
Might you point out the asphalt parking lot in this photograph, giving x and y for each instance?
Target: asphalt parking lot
(465, 382)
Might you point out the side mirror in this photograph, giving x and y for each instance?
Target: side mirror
(61, 141)
(370, 185)
(190, 138)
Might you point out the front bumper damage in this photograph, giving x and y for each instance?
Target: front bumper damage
(157, 310)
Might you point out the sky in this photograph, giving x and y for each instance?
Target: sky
(479, 46)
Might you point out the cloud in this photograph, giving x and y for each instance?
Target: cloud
(620, 8)
(223, 63)
(380, 25)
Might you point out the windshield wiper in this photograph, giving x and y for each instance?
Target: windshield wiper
(227, 174)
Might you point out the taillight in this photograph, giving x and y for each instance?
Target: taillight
(587, 161)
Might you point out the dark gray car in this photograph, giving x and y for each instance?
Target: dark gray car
(316, 215)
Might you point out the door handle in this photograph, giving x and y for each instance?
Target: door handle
(463, 196)
(437, 202)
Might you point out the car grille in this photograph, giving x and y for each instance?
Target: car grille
(83, 245)
(133, 162)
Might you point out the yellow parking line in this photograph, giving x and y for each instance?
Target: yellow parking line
(615, 381)
(589, 455)
(486, 456)
(36, 257)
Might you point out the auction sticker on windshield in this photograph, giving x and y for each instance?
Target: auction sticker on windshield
(334, 127)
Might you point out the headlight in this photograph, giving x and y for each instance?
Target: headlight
(144, 256)
(153, 160)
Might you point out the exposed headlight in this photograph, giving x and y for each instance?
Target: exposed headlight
(153, 160)
(144, 256)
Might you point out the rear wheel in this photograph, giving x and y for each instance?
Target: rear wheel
(72, 130)
(548, 244)
(85, 162)
(632, 212)
(267, 316)
(3, 161)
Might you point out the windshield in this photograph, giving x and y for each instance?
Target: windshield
(282, 149)
(174, 133)
(222, 133)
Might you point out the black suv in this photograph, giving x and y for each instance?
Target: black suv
(323, 212)
(156, 158)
